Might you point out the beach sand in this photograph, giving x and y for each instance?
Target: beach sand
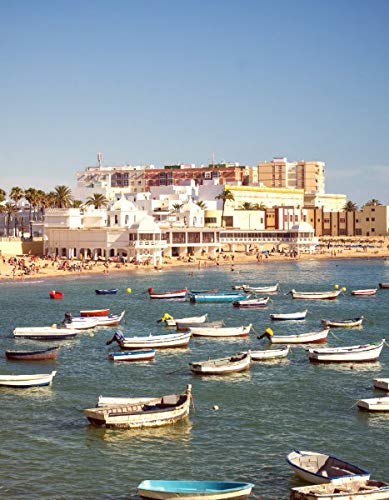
(33, 267)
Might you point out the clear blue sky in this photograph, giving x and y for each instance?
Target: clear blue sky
(175, 81)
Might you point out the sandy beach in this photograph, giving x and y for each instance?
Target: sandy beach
(34, 267)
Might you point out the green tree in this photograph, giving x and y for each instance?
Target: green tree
(225, 195)
(63, 197)
(16, 194)
(10, 209)
(350, 206)
(372, 203)
(247, 206)
(97, 200)
(201, 204)
(77, 204)
(2, 195)
(176, 207)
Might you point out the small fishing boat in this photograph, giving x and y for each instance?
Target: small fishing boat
(222, 366)
(152, 412)
(237, 331)
(107, 291)
(87, 322)
(183, 327)
(176, 294)
(270, 354)
(381, 383)
(45, 333)
(353, 490)
(189, 320)
(146, 355)
(171, 340)
(24, 381)
(374, 404)
(364, 292)
(331, 295)
(251, 303)
(37, 355)
(343, 323)
(55, 294)
(356, 354)
(261, 289)
(318, 468)
(383, 285)
(217, 297)
(301, 338)
(94, 312)
(193, 490)
(297, 316)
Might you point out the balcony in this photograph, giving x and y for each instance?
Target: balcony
(148, 244)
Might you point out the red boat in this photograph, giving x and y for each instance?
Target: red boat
(54, 294)
(95, 312)
(176, 294)
(50, 353)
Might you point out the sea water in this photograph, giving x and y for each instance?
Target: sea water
(48, 449)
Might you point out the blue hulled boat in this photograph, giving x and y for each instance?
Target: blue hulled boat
(191, 490)
(217, 297)
(109, 291)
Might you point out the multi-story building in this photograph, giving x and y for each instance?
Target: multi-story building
(306, 175)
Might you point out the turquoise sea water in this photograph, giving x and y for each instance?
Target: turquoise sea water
(48, 450)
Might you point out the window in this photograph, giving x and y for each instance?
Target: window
(210, 220)
(372, 230)
(367, 219)
(373, 219)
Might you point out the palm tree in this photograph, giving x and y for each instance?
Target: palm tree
(225, 195)
(259, 206)
(63, 196)
(77, 204)
(30, 195)
(201, 204)
(176, 207)
(350, 206)
(2, 195)
(247, 206)
(9, 209)
(16, 194)
(372, 203)
(97, 200)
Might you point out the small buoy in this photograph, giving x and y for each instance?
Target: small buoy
(128, 290)
(336, 287)
(343, 288)
(215, 407)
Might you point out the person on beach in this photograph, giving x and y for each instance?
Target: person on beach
(268, 333)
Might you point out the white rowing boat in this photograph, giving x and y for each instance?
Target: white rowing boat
(270, 354)
(353, 490)
(296, 316)
(45, 333)
(354, 354)
(343, 323)
(319, 468)
(374, 404)
(381, 383)
(301, 338)
(364, 292)
(222, 366)
(331, 295)
(192, 320)
(173, 340)
(25, 381)
(133, 356)
(261, 289)
(251, 303)
(238, 331)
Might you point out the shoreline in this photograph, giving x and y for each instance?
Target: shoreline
(42, 269)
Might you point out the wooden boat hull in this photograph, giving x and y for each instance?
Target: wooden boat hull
(354, 490)
(94, 312)
(304, 338)
(317, 468)
(381, 383)
(332, 295)
(26, 381)
(383, 285)
(111, 291)
(192, 319)
(194, 490)
(354, 354)
(176, 294)
(222, 366)
(132, 356)
(364, 293)
(240, 331)
(174, 341)
(45, 333)
(374, 404)
(142, 415)
(347, 323)
(297, 316)
(38, 355)
(269, 354)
